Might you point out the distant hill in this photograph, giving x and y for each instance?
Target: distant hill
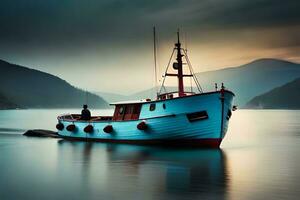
(250, 80)
(112, 97)
(284, 97)
(29, 88)
(6, 104)
(150, 93)
(246, 81)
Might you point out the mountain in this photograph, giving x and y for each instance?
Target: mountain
(6, 104)
(246, 81)
(283, 97)
(112, 97)
(252, 79)
(145, 94)
(29, 88)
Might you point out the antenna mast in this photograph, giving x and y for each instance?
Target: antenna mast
(155, 65)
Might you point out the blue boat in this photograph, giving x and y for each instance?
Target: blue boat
(181, 118)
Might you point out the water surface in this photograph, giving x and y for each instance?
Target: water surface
(259, 159)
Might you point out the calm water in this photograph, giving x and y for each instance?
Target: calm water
(260, 159)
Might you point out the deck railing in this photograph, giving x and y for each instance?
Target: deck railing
(171, 95)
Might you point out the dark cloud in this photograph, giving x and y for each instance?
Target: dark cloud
(59, 21)
(254, 13)
(68, 34)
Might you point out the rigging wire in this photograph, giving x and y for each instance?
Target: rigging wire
(162, 86)
(185, 41)
(191, 69)
(191, 84)
(185, 44)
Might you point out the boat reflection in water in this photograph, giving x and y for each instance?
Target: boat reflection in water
(136, 172)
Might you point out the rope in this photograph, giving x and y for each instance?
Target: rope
(192, 71)
(162, 85)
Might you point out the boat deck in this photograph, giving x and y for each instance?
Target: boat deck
(77, 117)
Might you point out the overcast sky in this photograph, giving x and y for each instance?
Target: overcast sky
(106, 45)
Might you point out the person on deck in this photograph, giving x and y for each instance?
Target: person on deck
(85, 113)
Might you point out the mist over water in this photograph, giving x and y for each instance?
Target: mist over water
(259, 159)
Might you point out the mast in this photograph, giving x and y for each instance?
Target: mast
(155, 62)
(179, 67)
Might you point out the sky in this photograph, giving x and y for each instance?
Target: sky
(107, 45)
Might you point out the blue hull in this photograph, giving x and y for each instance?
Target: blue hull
(168, 123)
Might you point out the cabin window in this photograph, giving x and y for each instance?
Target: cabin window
(152, 107)
(164, 106)
(127, 112)
(137, 109)
(121, 110)
(132, 112)
(197, 116)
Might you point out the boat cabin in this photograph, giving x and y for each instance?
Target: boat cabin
(127, 112)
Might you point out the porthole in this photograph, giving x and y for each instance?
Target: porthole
(164, 106)
(152, 107)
